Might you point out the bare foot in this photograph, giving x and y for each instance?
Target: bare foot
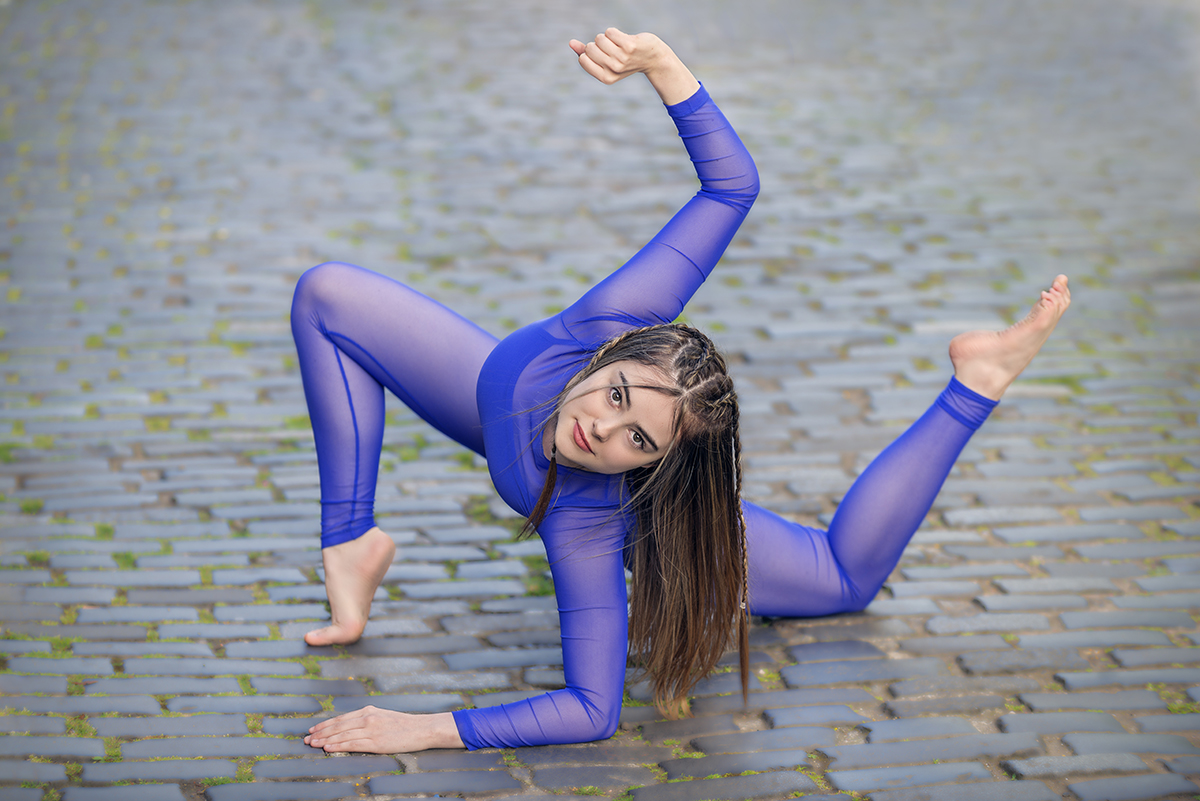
(353, 571)
(988, 361)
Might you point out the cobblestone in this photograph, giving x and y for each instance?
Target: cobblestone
(171, 169)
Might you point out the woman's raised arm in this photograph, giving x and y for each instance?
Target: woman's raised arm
(614, 55)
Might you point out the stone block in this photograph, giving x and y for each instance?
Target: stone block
(592, 754)
(903, 606)
(794, 737)
(733, 763)
(1105, 743)
(835, 632)
(1171, 600)
(170, 726)
(275, 649)
(992, 515)
(215, 747)
(963, 571)
(1059, 722)
(28, 724)
(458, 760)
(1139, 550)
(160, 770)
(913, 589)
(882, 731)
(760, 785)
(1127, 678)
(1026, 603)
(593, 776)
(10, 684)
(955, 644)
(137, 792)
(210, 667)
(1068, 533)
(142, 649)
(282, 791)
(270, 613)
(687, 728)
(162, 686)
(1051, 585)
(827, 651)
(462, 589)
(66, 667)
(22, 746)
(253, 704)
(85, 705)
(465, 781)
(968, 746)
(134, 578)
(1114, 701)
(1163, 583)
(811, 716)
(213, 631)
(1022, 660)
(1156, 619)
(1189, 721)
(986, 621)
(493, 658)
(323, 766)
(844, 672)
(1092, 569)
(15, 770)
(1189, 765)
(1057, 767)
(958, 704)
(911, 776)
(1123, 788)
(1094, 639)
(992, 791)
(308, 686)
(780, 698)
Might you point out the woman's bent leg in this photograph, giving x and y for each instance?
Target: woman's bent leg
(801, 571)
(357, 332)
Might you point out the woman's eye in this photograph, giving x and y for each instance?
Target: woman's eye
(638, 440)
(614, 395)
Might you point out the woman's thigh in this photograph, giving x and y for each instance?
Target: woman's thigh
(427, 355)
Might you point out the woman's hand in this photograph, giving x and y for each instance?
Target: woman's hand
(614, 55)
(372, 730)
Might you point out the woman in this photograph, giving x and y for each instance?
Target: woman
(616, 435)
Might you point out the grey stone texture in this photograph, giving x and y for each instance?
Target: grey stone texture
(170, 171)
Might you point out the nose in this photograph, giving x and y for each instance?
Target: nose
(602, 428)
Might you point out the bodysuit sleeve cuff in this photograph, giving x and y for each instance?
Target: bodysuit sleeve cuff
(690, 105)
(466, 731)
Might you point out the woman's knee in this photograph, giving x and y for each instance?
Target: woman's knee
(323, 284)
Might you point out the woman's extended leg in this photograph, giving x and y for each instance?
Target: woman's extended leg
(357, 332)
(801, 571)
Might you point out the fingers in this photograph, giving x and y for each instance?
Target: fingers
(577, 46)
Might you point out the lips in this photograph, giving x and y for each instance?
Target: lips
(581, 440)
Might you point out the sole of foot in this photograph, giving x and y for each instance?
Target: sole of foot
(353, 571)
(987, 362)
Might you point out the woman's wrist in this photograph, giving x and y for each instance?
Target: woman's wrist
(670, 77)
(442, 732)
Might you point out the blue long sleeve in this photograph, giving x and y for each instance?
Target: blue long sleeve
(585, 529)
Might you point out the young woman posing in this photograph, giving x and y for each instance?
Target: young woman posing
(616, 434)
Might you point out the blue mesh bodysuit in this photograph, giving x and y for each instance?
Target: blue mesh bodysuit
(357, 332)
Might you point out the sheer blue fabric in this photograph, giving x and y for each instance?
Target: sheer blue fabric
(358, 332)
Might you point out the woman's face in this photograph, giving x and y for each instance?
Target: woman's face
(613, 421)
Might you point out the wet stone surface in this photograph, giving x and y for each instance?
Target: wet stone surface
(170, 170)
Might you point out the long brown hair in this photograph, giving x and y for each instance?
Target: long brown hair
(690, 564)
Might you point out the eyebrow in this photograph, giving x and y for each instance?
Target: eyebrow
(629, 402)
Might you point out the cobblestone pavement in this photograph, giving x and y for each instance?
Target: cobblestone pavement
(170, 168)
